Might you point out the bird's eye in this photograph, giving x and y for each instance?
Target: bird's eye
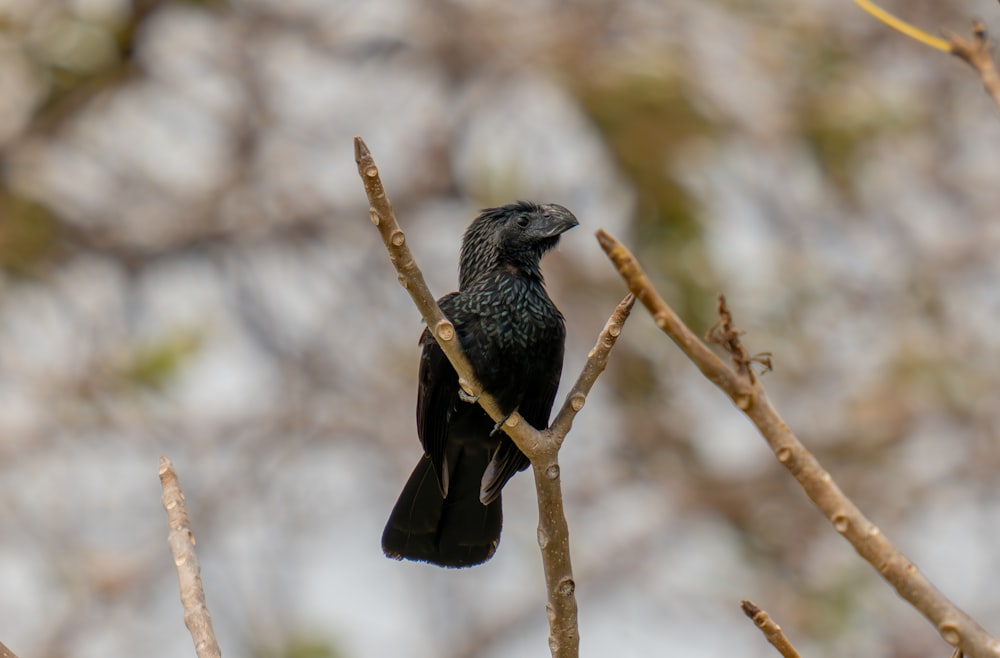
(522, 220)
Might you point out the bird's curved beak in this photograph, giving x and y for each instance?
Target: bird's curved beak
(556, 220)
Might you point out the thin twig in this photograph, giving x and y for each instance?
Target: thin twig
(724, 333)
(412, 279)
(541, 447)
(902, 26)
(181, 540)
(954, 625)
(770, 629)
(553, 531)
(597, 360)
(978, 53)
(5, 652)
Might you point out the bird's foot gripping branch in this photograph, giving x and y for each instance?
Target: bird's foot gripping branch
(500, 310)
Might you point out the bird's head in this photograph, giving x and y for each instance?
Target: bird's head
(515, 235)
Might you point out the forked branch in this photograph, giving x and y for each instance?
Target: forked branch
(541, 447)
(976, 52)
(954, 625)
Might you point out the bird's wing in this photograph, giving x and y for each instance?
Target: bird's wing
(436, 392)
(535, 408)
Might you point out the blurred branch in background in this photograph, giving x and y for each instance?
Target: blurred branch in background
(5, 652)
(746, 391)
(976, 52)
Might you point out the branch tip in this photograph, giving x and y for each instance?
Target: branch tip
(977, 53)
(604, 239)
(612, 247)
(749, 608)
(181, 541)
(361, 151)
(772, 632)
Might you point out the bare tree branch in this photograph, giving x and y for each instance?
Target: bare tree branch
(5, 652)
(978, 53)
(553, 531)
(724, 333)
(954, 625)
(975, 52)
(181, 540)
(541, 447)
(597, 360)
(902, 26)
(770, 629)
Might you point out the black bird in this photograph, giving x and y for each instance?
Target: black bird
(449, 512)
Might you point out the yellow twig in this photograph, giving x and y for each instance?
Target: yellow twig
(909, 30)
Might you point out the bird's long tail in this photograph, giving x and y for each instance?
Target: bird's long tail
(453, 531)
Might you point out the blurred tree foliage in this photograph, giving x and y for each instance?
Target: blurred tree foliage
(29, 234)
(649, 121)
(154, 364)
(302, 647)
(836, 126)
(68, 58)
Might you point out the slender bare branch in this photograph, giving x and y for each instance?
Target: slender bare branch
(181, 540)
(770, 629)
(902, 26)
(541, 447)
(412, 279)
(978, 53)
(954, 625)
(553, 531)
(5, 652)
(724, 333)
(597, 360)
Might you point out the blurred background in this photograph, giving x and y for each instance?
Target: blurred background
(187, 268)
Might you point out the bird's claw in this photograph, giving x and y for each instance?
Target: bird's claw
(466, 397)
(496, 428)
